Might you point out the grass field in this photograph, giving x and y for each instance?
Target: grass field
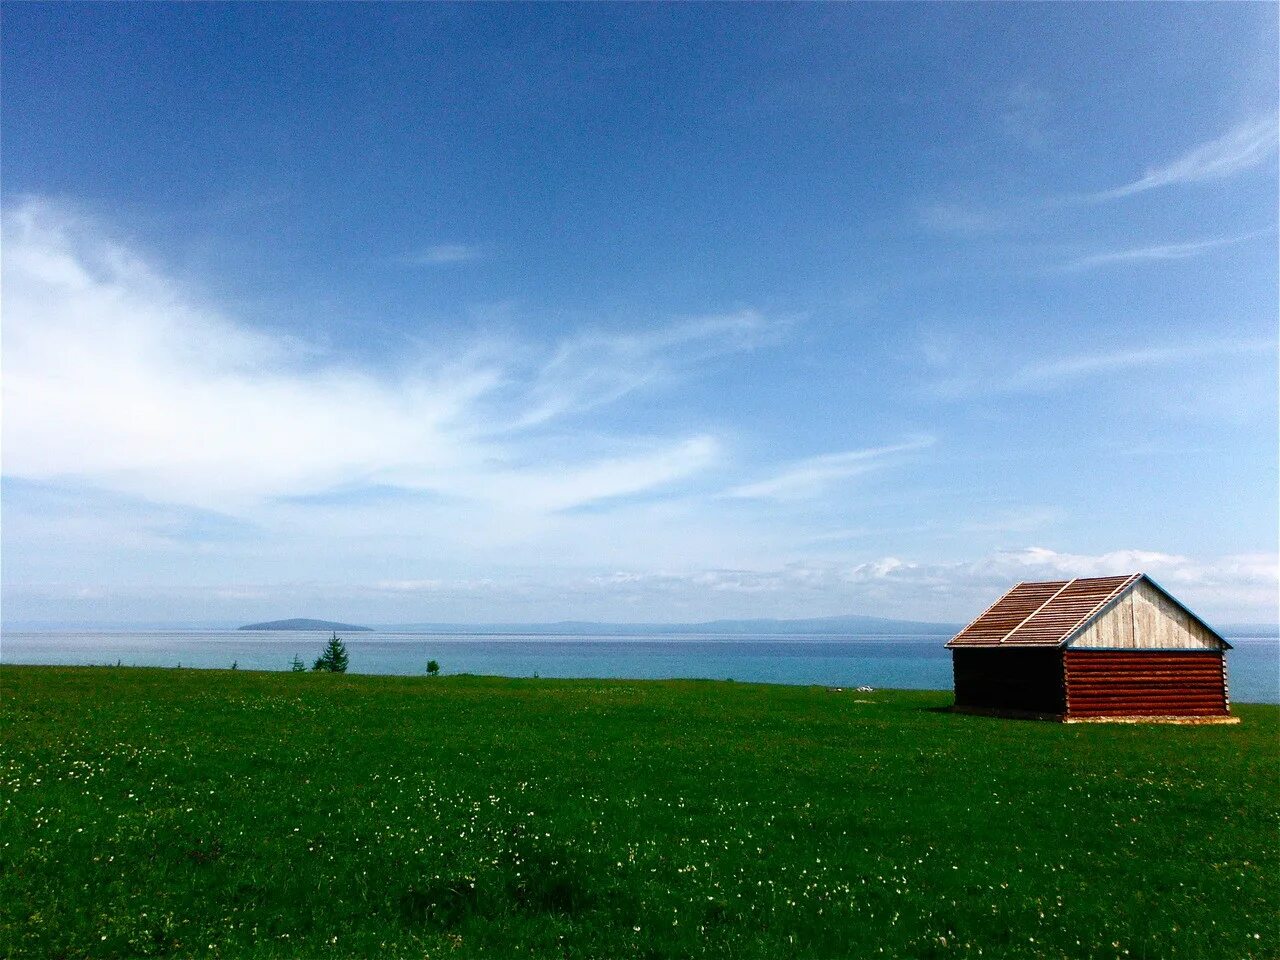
(234, 814)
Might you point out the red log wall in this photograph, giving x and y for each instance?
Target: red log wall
(1142, 683)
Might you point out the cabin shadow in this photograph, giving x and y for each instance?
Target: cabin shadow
(958, 711)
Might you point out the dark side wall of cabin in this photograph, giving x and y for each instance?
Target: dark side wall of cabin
(1010, 679)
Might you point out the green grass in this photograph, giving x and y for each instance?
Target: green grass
(235, 814)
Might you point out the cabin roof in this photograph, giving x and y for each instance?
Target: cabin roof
(1049, 613)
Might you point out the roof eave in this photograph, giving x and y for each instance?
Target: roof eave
(1002, 645)
(995, 603)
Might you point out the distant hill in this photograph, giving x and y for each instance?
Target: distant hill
(301, 623)
(846, 625)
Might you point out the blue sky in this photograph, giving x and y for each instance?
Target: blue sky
(483, 312)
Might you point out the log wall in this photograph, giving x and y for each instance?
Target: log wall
(1120, 683)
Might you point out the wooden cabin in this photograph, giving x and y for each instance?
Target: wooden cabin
(1093, 648)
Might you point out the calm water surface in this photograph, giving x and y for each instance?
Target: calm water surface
(912, 662)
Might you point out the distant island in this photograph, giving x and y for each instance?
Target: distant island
(301, 623)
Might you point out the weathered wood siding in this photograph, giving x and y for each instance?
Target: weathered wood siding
(1117, 683)
(1009, 679)
(1113, 629)
(1145, 619)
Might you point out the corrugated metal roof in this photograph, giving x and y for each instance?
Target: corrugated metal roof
(1043, 613)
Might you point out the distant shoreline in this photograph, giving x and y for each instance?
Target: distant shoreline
(869, 626)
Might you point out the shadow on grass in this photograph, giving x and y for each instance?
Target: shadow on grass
(1022, 716)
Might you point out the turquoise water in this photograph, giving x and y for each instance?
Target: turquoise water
(911, 662)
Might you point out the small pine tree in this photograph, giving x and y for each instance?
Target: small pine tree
(297, 666)
(433, 668)
(334, 658)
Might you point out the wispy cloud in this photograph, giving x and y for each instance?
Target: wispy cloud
(1167, 251)
(444, 253)
(1243, 146)
(553, 487)
(118, 379)
(1056, 372)
(595, 368)
(1022, 520)
(1053, 372)
(813, 476)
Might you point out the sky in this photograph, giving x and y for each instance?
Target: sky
(407, 312)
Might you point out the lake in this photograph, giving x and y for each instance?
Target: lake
(905, 662)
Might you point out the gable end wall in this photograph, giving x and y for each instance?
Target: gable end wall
(1145, 619)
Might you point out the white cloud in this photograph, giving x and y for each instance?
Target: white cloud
(1234, 587)
(444, 253)
(813, 476)
(1243, 146)
(631, 565)
(118, 379)
(1044, 562)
